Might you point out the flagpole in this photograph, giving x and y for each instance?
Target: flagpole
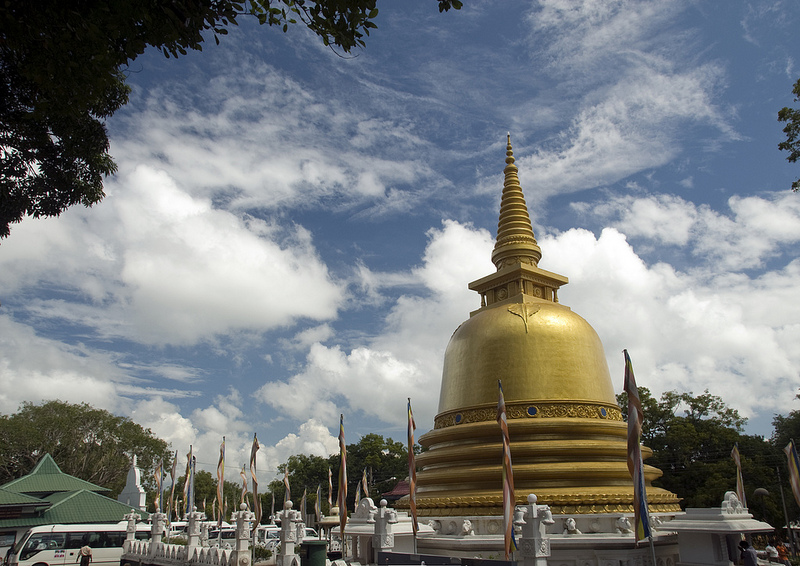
(785, 513)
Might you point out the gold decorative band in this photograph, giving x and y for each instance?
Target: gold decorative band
(536, 410)
(559, 505)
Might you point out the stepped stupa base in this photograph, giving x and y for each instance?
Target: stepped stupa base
(602, 539)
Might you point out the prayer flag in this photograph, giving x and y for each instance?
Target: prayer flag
(330, 490)
(221, 482)
(342, 495)
(303, 505)
(159, 475)
(188, 497)
(358, 494)
(739, 482)
(318, 504)
(412, 470)
(173, 475)
(641, 518)
(508, 476)
(364, 483)
(256, 499)
(794, 469)
(287, 494)
(244, 483)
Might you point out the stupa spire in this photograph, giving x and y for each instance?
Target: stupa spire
(515, 240)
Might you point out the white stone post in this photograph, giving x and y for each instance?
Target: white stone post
(204, 532)
(241, 553)
(130, 530)
(383, 539)
(157, 531)
(289, 519)
(193, 532)
(534, 544)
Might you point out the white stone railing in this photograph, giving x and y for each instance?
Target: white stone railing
(158, 553)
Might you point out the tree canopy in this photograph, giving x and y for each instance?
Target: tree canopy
(62, 74)
(692, 437)
(88, 443)
(792, 130)
(385, 461)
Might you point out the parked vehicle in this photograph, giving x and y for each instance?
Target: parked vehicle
(59, 545)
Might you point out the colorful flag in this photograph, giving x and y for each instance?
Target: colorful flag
(794, 469)
(244, 483)
(287, 493)
(303, 505)
(318, 504)
(358, 495)
(159, 475)
(342, 495)
(330, 490)
(364, 483)
(256, 499)
(188, 497)
(739, 482)
(641, 518)
(412, 470)
(508, 476)
(221, 482)
(173, 475)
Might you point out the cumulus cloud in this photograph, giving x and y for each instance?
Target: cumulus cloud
(405, 359)
(36, 368)
(753, 231)
(159, 266)
(204, 428)
(686, 330)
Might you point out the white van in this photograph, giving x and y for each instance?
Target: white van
(59, 545)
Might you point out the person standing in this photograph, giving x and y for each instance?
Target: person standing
(783, 553)
(748, 554)
(772, 552)
(85, 555)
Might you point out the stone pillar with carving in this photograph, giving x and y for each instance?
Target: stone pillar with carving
(300, 529)
(130, 530)
(157, 530)
(241, 552)
(534, 545)
(204, 532)
(289, 519)
(193, 531)
(383, 539)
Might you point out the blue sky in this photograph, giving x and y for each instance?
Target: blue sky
(290, 233)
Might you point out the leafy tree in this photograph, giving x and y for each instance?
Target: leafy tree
(91, 444)
(62, 73)
(692, 438)
(786, 428)
(792, 130)
(385, 460)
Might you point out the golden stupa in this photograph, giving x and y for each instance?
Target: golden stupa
(568, 438)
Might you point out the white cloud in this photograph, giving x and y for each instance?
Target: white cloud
(158, 266)
(405, 360)
(685, 331)
(757, 229)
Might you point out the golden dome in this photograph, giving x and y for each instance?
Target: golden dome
(540, 350)
(568, 439)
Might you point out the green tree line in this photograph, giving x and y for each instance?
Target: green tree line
(691, 436)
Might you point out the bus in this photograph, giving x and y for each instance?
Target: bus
(59, 545)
